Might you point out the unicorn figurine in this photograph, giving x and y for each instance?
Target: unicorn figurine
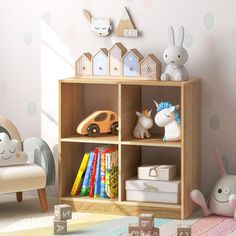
(168, 117)
(143, 125)
(223, 197)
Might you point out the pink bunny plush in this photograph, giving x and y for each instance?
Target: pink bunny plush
(223, 197)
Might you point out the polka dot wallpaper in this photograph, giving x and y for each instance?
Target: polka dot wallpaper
(42, 40)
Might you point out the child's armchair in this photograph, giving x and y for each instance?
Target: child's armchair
(16, 173)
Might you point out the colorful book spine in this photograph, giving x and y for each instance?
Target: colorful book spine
(86, 182)
(112, 174)
(91, 192)
(80, 173)
(103, 171)
(97, 184)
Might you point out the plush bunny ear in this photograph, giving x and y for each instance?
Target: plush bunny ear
(171, 36)
(87, 15)
(219, 162)
(180, 38)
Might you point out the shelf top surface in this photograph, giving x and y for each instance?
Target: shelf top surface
(106, 139)
(127, 81)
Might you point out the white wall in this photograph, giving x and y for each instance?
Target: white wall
(40, 41)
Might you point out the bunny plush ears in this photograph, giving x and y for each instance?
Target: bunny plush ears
(180, 36)
(219, 162)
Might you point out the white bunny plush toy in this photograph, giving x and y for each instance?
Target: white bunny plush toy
(175, 56)
(223, 197)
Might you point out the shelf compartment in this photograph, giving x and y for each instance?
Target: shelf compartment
(112, 206)
(77, 101)
(155, 140)
(136, 98)
(104, 138)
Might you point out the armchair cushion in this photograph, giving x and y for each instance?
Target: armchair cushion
(20, 178)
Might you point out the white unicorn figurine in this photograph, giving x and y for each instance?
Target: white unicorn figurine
(223, 197)
(144, 123)
(168, 117)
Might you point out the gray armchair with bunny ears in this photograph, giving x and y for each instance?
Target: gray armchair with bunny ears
(27, 165)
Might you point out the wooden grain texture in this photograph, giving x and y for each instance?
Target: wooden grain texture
(130, 160)
(125, 80)
(169, 211)
(191, 150)
(130, 103)
(125, 96)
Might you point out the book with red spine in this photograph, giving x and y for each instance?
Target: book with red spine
(103, 170)
(93, 172)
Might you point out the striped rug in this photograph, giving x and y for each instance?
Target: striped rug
(27, 219)
(88, 224)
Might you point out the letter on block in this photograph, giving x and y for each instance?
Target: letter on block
(134, 230)
(151, 232)
(60, 226)
(184, 230)
(62, 212)
(146, 221)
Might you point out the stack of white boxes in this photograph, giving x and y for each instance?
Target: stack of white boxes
(154, 184)
(62, 213)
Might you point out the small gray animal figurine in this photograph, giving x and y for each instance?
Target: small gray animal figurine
(144, 123)
(175, 56)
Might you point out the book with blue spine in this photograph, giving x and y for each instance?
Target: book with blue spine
(86, 181)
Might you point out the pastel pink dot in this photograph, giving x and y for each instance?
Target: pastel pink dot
(147, 4)
(209, 43)
(234, 35)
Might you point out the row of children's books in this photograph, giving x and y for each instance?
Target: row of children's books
(98, 173)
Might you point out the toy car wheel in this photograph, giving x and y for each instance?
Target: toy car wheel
(114, 128)
(93, 130)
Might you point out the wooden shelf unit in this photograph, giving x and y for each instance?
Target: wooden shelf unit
(78, 97)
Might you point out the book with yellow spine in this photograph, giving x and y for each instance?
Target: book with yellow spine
(80, 174)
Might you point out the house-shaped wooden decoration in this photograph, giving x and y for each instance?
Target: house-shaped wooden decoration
(100, 63)
(150, 67)
(116, 54)
(83, 65)
(131, 62)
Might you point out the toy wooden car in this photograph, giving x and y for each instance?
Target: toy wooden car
(99, 122)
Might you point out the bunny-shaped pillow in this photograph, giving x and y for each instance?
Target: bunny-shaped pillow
(10, 151)
(175, 56)
(223, 196)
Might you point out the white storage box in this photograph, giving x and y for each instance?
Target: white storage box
(153, 191)
(157, 172)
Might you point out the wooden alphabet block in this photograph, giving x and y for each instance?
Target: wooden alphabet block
(134, 230)
(184, 230)
(60, 226)
(62, 212)
(151, 232)
(146, 221)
